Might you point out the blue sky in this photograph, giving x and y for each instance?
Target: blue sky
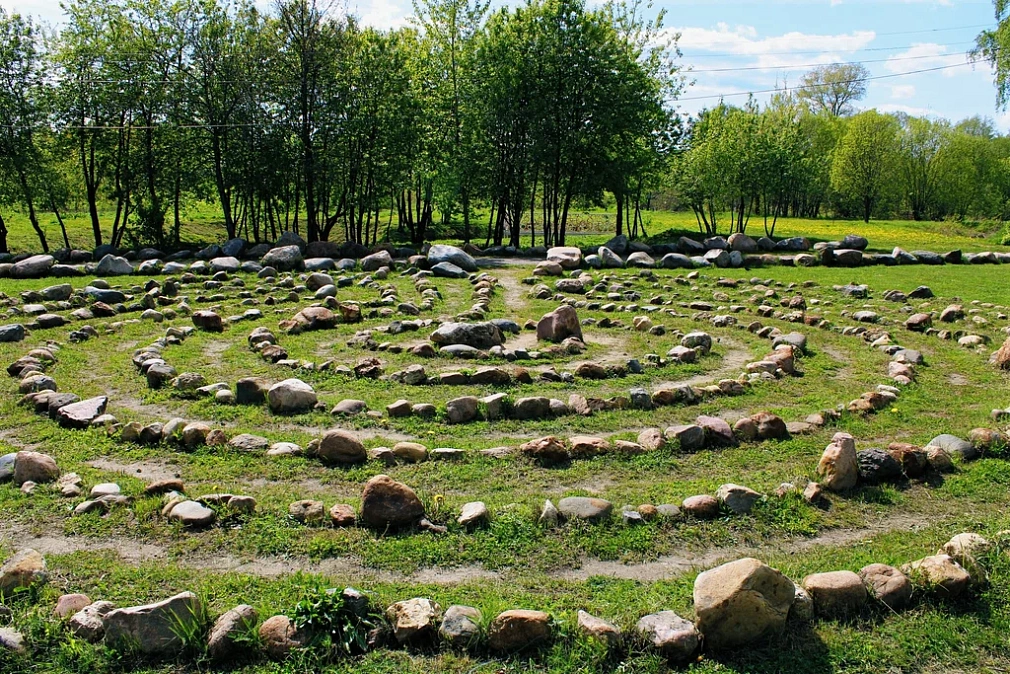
(778, 40)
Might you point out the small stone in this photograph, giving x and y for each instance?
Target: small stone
(674, 637)
(414, 620)
(836, 594)
(887, 584)
(69, 604)
(515, 630)
(227, 634)
(597, 628)
(473, 513)
(460, 626)
(702, 506)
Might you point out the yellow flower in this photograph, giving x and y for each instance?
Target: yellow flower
(894, 410)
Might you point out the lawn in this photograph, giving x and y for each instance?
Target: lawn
(620, 572)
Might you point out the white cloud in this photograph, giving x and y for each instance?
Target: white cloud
(773, 51)
(902, 91)
(383, 13)
(924, 55)
(912, 110)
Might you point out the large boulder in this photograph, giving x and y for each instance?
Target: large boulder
(461, 626)
(280, 636)
(839, 466)
(376, 260)
(477, 335)
(291, 396)
(569, 257)
(387, 504)
(111, 265)
(155, 629)
(939, 574)
(341, 447)
(285, 258)
(585, 508)
(35, 266)
(558, 325)
(741, 602)
(444, 253)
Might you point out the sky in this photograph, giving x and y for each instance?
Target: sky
(735, 47)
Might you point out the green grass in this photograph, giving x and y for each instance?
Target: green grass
(203, 225)
(513, 562)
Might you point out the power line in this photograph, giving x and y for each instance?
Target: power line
(853, 81)
(815, 65)
(937, 30)
(818, 51)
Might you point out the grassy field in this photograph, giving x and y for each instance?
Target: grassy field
(133, 555)
(202, 225)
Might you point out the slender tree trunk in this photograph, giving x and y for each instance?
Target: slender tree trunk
(32, 216)
(620, 214)
(91, 187)
(3, 235)
(59, 219)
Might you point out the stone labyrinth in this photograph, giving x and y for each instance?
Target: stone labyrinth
(481, 433)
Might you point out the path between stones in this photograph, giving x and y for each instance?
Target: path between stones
(663, 568)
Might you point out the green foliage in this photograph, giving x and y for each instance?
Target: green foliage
(334, 628)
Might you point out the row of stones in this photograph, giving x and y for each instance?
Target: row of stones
(736, 605)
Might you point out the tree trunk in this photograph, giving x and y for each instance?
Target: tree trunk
(620, 214)
(59, 219)
(3, 235)
(32, 217)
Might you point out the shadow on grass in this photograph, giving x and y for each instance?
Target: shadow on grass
(799, 651)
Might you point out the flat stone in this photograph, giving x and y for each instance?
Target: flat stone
(192, 514)
(836, 594)
(675, 638)
(585, 508)
(155, 628)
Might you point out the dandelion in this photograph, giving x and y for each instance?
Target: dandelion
(894, 410)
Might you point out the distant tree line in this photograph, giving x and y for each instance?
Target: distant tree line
(299, 118)
(806, 155)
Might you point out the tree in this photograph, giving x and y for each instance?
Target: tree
(993, 46)
(922, 143)
(22, 111)
(863, 169)
(443, 65)
(833, 88)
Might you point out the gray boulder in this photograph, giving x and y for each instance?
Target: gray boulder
(155, 629)
(444, 253)
(285, 258)
(111, 265)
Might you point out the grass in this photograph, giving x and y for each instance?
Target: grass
(203, 225)
(514, 562)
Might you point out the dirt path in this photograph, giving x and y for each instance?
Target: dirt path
(669, 566)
